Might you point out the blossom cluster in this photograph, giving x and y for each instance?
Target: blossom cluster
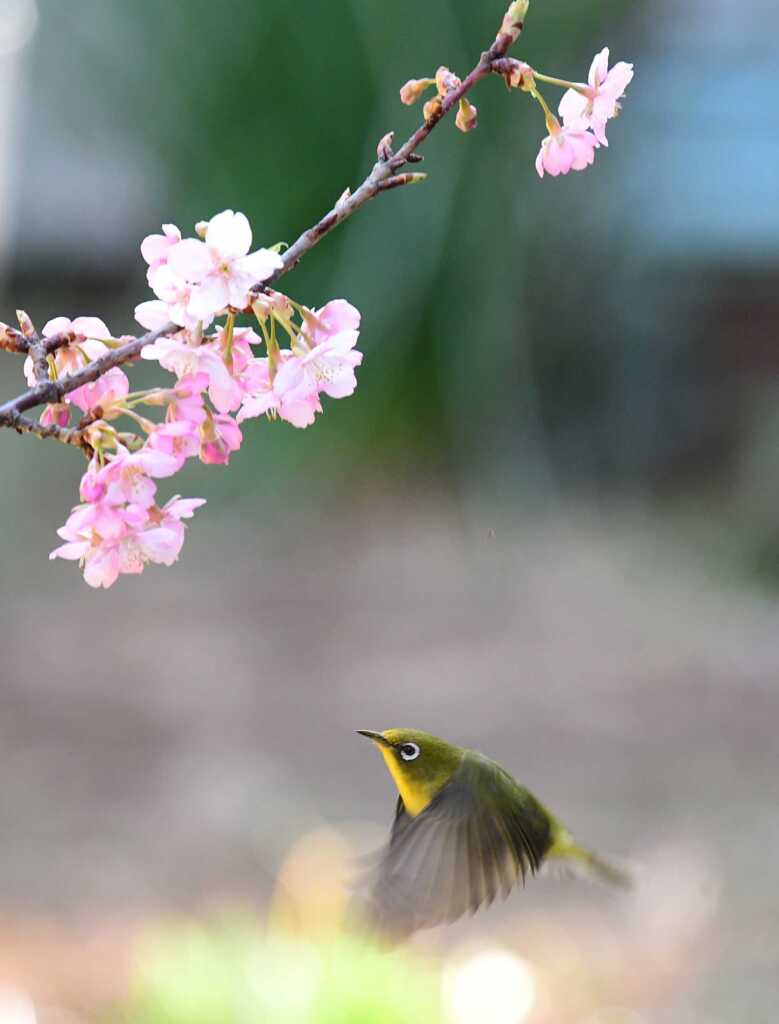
(224, 374)
(585, 110)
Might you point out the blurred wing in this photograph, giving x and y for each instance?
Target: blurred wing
(478, 836)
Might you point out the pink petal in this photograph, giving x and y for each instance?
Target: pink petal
(599, 67)
(102, 568)
(155, 463)
(209, 297)
(152, 315)
(90, 327)
(338, 315)
(573, 109)
(58, 325)
(183, 508)
(229, 234)
(162, 544)
(259, 265)
(257, 405)
(190, 259)
(72, 551)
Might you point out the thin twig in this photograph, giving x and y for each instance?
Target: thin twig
(382, 177)
(25, 425)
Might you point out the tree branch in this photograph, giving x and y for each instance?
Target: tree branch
(383, 177)
(24, 425)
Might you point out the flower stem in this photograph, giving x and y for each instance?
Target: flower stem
(576, 86)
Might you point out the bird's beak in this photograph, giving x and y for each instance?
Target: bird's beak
(375, 736)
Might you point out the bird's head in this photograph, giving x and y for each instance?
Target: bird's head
(420, 764)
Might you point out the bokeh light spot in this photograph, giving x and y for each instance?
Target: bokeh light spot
(494, 985)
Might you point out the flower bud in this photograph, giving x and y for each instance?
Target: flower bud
(413, 89)
(25, 323)
(384, 148)
(518, 74)
(432, 109)
(201, 228)
(467, 116)
(514, 20)
(100, 435)
(445, 81)
(10, 338)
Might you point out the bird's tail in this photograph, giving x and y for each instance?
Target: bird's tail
(566, 852)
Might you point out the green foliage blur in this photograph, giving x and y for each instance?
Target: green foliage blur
(231, 973)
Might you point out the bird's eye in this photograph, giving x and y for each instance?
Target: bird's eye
(409, 751)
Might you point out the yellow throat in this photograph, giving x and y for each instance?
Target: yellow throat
(415, 795)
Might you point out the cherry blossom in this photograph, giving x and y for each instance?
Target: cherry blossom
(185, 401)
(128, 477)
(220, 269)
(106, 391)
(176, 296)
(179, 438)
(598, 101)
(56, 414)
(86, 345)
(338, 315)
(155, 248)
(328, 367)
(183, 358)
(293, 398)
(220, 437)
(110, 540)
(565, 149)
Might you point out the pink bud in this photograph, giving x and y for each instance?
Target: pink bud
(414, 88)
(467, 116)
(432, 109)
(446, 81)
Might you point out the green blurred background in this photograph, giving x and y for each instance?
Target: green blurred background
(544, 526)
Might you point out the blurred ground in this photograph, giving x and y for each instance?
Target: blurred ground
(164, 744)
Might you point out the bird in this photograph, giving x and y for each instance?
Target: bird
(465, 831)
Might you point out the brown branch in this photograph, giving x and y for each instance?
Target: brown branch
(67, 435)
(40, 362)
(383, 176)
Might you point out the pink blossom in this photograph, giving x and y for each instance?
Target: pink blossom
(93, 486)
(108, 540)
(106, 391)
(241, 349)
(86, 346)
(338, 315)
(220, 436)
(179, 438)
(163, 538)
(292, 397)
(152, 314)
(57, 413)
(154, 248)
(176, 295)
(127, 477)
(565, 149)
(328, 367)
(599, 100)
(93, 535)
(221, 269)
(182, 358)
(186, 401)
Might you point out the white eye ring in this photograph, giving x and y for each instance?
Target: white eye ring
(409, 751)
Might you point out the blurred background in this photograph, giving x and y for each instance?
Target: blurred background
(545, 526)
